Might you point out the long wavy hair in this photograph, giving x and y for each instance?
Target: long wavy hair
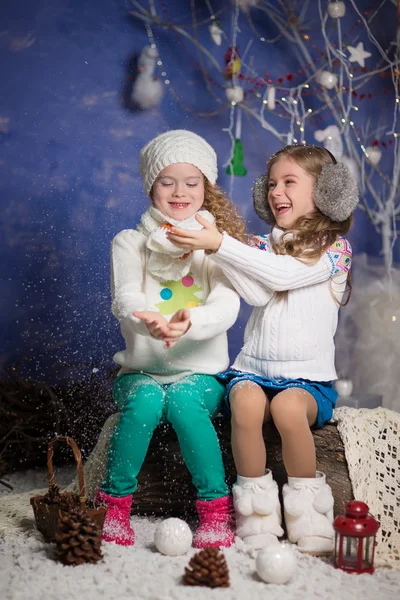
(224, 212)
(310, 236)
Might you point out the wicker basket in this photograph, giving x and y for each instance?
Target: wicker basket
(47, 515)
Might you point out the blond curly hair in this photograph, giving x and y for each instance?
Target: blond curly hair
(311, 235)
(224, 212)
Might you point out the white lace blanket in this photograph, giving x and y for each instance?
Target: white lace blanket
(371, 440)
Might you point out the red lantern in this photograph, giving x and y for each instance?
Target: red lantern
(355, 539)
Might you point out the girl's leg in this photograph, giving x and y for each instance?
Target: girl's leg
(255, 494)
(307, 498)
(250, 409)
(293, 411)
(190, 406)
(140, 400)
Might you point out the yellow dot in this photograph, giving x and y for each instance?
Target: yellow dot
(191, 304)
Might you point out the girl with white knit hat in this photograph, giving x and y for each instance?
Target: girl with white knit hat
(295, 278)
(174, 309)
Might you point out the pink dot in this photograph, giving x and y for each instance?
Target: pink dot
(187, 281)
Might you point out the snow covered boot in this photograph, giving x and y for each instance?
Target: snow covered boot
(216, 523)
(258, 510)
(308, 509)
(117, 527)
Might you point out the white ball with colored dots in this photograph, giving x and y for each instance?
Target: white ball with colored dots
(173, 537)
(276, 564)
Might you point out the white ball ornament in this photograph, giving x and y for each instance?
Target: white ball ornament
(235, 94)
(276, 564)
(344, 387)
(327, 79)
(173, 537)
(336, 10)
(373, 155)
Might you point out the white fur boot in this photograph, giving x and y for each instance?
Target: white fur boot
(258, 510)
(308, 508)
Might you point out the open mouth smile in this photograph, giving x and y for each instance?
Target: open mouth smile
(283, 208)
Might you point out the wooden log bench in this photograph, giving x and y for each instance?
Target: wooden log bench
(165, 487)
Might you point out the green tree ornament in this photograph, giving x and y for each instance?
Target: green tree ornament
(236, 164)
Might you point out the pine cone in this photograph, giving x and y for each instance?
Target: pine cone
(53, 496)
(209, 568)
(65, 500)
(78, 539)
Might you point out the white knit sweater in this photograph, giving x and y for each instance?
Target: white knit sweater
(205, 291)
(290, 337)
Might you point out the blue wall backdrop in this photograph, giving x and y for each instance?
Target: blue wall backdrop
(69, 181)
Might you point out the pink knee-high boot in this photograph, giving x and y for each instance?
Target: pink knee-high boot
(117, 527)
(216, 523)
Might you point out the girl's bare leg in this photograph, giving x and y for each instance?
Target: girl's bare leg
(293, 411)
(250, 409)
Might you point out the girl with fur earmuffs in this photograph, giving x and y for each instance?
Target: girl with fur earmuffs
(296, 278)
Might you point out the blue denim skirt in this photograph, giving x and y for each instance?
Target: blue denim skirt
(323, 391)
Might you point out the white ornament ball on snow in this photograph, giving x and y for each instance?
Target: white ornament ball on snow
(173, 537)
(336, 10)
(373, 155)
(276, 564)
(327, 79)
(234, 94)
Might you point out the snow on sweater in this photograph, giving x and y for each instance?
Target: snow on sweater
(291, 337)
(205, 291)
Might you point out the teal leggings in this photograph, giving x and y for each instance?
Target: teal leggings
(189, 405)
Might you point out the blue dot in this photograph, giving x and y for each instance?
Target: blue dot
(166, 294)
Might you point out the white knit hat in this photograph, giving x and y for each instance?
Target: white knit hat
(177, 146)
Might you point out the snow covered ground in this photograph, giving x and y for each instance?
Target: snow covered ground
(28, 570)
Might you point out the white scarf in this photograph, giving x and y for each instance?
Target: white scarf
(168, 262)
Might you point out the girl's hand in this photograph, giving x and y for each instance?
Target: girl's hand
(208, 238)
(156, 324)
(178, 325)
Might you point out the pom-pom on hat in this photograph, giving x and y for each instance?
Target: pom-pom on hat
(177, 146)
(335, 193)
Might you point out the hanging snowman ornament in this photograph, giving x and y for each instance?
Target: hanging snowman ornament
(276, 564)
(215, 32)
(147, 90)
(336, 10)
(173, 537)
(373, 154)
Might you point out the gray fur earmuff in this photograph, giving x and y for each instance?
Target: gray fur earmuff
(260, 199)
(336, 194)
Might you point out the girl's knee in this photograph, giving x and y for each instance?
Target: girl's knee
(144, 403)
(248, 404)
(289, 411)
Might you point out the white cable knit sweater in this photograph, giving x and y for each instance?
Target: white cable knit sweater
(205, 291)
(291, 337)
